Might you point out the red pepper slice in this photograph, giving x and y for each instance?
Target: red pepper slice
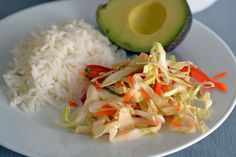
(92, 71)
(200, 76)
(92, 74)
(98, 68)
(83, 98)
(196, 73)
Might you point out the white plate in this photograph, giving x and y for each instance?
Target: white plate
(200, 5)
(32, 135)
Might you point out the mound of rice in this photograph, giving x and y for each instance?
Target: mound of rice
(46, 67)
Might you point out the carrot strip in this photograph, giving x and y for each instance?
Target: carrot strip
(118, 84)
(97, 85)
(124, 132)
(72, 103)
(156, 122)
(106, 106)
(110, 112)
(157, 88)
(221, 86)
(128, 95)
(219, 76)
(144, 93)
(131, 80)
(177, 108)
(176, 123)
(200, 76)
(164, 88)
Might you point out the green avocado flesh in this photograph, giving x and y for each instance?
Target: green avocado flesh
(136, 24)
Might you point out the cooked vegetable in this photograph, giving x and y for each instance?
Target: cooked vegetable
(138, 97)
(219, 76)
(109, 112)
(72, 103)
(92, 71)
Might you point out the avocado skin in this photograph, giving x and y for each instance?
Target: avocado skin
(182, 35)
(168, 48)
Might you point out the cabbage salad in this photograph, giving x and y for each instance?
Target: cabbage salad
(138, 96)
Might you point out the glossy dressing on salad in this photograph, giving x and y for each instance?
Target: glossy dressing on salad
(140, 95)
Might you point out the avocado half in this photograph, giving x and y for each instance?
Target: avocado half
(135, 25)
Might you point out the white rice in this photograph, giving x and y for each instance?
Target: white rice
(46, 67)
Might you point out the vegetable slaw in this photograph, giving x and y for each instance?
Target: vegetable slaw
(140, 95)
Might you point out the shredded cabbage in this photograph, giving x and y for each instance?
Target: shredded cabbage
(138, 96)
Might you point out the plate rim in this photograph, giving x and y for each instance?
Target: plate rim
(197, 10)
(182, 147)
